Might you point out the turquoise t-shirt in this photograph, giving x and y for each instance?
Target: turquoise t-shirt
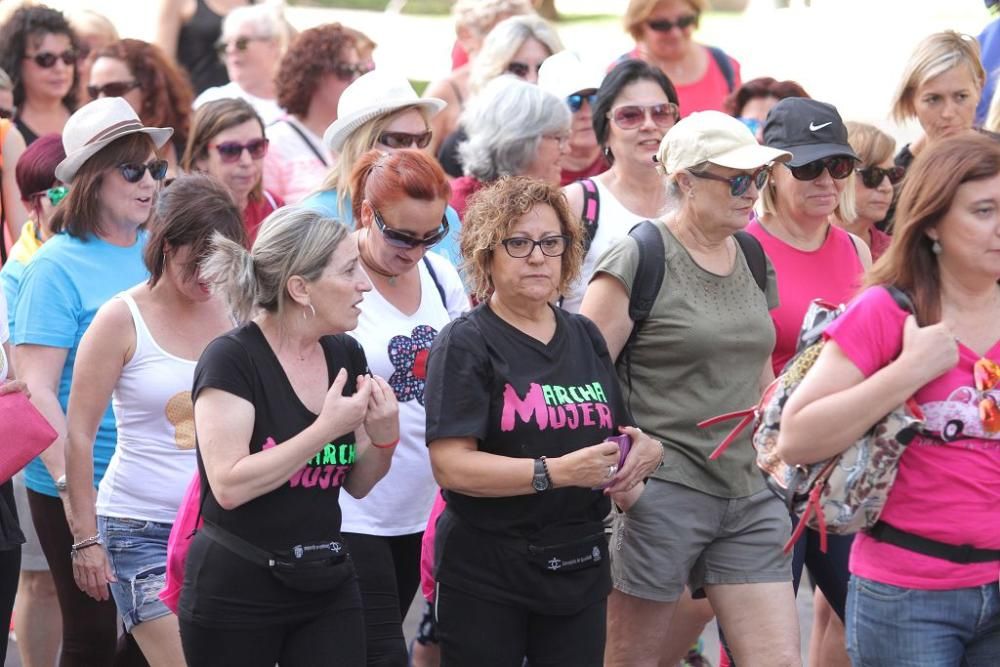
(63, 285)
(326, 202)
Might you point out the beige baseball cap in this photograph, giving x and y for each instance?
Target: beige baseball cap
(712, 136)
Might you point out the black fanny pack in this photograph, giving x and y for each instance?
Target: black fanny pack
(310, 568)
(578, 554)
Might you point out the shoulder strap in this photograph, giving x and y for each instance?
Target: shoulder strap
(591, 211)
(649, 274)
(305, 139)
(437, 283)
(726, 67)
(756, 260)
(901, 298)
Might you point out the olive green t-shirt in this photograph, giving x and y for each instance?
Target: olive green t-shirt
(698, 355)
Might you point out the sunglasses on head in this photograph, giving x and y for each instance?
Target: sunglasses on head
(632, 116)
(399, 239)
(666, 25)
(740, 183)
(55, 195)
(575, 101)
(872, 176)
(839, 166)
(241, 44)
(133, 173)
(349, 72)
(232, 151)
(521, 70)
(396, 140)
(113, 89)
(47, 59)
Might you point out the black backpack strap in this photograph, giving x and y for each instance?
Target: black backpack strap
(649, 274)
(901, 298)
(437, 283)
(753, 251)
(591, 211)
(726, 67)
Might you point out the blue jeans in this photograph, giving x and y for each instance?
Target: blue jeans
(137, 553)
(906, 627)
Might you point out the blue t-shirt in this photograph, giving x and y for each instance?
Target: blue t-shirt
(989, 53)
(10, 281)
(65, 283)
(326, 203)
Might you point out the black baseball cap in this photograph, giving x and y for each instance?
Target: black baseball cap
(808, 129)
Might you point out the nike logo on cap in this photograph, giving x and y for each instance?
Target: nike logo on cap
(814, 128)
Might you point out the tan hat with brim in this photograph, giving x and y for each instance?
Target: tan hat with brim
(97, 124)
(715, 137)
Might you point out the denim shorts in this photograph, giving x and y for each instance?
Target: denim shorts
(137, 551)
(907, 627)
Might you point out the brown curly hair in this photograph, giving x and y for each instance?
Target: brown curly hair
(314, 53)
(166, 91)
(496, 208)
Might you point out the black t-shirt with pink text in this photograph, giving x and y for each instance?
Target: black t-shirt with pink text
(221, 588)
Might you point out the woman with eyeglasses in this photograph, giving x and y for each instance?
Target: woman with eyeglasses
(112, 171)
(140, 353)
(522, 399)
(158, 91)
(662, 29)
(634, 107)
(704, 349)
(399, 202)
(514, 129)
(39, 51)
(227, 142)
(516, 46)
(378, 111)
(316, 70)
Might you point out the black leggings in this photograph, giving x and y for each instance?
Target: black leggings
(388, 573)
(333, 638)
(829, 571)
(90, 628)
(10, 570)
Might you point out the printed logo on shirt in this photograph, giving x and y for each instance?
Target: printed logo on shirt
(408, 355)
(327, 469)
(555, 406)
(180, 413)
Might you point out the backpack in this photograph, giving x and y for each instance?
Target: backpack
(845, 493)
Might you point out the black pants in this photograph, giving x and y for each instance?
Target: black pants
(388, 573)
(829, 571)
(473, 631)
(334, 638)
(90, 628)
(10, 569)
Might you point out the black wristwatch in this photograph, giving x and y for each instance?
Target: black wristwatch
(541, 480)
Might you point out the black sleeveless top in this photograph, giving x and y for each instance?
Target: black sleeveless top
(196, 48)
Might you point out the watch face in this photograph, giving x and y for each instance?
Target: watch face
(540, 483)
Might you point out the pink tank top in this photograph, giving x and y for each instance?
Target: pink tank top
(832, 273)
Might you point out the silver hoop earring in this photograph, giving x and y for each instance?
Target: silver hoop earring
(310, 306)
(936, 247)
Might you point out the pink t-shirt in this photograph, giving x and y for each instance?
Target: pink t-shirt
(707, 93)
(832, 273)
(945, 491)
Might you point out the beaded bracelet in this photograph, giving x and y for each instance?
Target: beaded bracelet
(386, 446)
(89, 542)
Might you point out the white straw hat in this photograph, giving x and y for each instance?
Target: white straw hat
(371, 95)
(94, 126)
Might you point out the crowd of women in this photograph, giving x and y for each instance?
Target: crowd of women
(243, 270)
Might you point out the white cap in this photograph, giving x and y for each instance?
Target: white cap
(712, 136)
(564, 74)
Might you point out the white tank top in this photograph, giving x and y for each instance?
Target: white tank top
(154, 457)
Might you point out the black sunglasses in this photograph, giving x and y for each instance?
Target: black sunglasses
(133, 173)
(576, 100)
(666, 25)
(113, 89)
(522, 70)
(240, 43)
(520, 247)
(47, 59)
(399, 239)
(872, 176)
(839, 166)
(739, 183)
(397, 140)
(347, 72)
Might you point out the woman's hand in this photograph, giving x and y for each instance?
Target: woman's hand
(13, 387)
(929, 351)
(644, 457)
(626, 499)
(589, 467)
(382, 418)
(92, 571)
(343, 414)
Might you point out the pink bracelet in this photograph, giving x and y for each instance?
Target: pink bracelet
(387, 446)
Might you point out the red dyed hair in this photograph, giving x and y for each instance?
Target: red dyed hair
(764, 86)
(387, 177)
(36, 168)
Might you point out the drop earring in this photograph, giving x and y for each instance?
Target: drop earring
(936, 247)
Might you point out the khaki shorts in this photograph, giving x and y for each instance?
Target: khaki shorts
(675, 536)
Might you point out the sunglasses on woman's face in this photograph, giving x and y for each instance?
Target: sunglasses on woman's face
(522, 70)
(872, 176)
(632, 116)
(666, 25)
(839, 167)
(740, 183)
(399, 239)
(575, 101)
(133, 173)
(47, 59)
(241, 44)
(232, 151)
(113, 89)
(397, 140)
(348, 72)
(6, 113)
(55, 195)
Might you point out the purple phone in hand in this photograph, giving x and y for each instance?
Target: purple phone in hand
(624, 446)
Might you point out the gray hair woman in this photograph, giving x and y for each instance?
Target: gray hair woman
(514, 129)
